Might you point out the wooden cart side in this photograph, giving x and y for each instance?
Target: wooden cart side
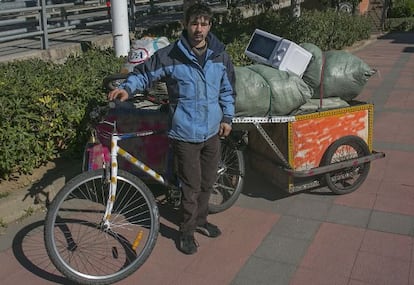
(318, 130)
(263, 159)
(310, 135)
(365, 106)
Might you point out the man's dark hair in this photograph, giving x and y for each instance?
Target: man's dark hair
(198, 10)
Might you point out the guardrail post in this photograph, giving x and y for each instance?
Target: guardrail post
(132, 10)
(120, 27)
(43, 25)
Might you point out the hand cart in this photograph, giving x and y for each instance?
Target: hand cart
(327, 148)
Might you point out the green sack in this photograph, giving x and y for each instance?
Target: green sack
(314, 105)
(253, 93)
(287, 91)
(313, 72)
(344, 75)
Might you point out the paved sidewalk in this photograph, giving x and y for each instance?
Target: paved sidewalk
(272, 238)
(61, 45)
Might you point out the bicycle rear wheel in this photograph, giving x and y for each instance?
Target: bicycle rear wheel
(85, 250)
(230, 178)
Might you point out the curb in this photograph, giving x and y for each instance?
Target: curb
(24, 201)
(361, 44)
(60, 52)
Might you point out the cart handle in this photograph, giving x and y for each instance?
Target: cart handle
(335, 166)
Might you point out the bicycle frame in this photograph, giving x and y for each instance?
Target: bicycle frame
(116, 150)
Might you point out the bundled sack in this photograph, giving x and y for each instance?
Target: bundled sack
(314, 105)
(253, 93)
(265, 91)
(287, 91)
(344, 74)
(312, 74)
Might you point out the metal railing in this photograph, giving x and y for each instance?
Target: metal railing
(23, 19)
(30, 19)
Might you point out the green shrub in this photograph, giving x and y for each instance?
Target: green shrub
(44, 107)
(400, 24)
(402, 9)
(406, 26)
(326, 29)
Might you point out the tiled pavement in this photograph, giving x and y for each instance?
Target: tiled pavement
(271, 238)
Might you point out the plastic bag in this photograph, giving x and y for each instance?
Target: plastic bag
(143, 49)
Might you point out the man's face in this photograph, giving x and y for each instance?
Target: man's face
(198, 29)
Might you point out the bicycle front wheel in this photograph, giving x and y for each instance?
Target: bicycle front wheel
(86, 250)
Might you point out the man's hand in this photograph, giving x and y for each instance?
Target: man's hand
(120, 94)
(225, 129)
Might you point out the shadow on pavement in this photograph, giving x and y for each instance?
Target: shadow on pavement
(64, 169)
(257, 186)
(29, 250)
(399, 37)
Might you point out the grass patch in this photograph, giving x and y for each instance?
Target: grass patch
(3, 224)
(27, 213)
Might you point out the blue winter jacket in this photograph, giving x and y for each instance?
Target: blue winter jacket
(200, 96)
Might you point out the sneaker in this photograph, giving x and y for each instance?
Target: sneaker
(209, 230)
(187, 243)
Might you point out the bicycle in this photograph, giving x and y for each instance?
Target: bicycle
(103, 224)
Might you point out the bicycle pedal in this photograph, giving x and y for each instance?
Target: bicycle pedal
(174, 197)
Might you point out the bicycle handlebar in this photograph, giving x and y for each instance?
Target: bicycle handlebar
(157, 94)
(127, 104)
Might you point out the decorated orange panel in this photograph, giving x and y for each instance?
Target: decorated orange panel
(312, 135)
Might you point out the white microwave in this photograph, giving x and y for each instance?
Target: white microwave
(277, 52)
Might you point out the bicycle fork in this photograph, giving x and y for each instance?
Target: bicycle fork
(115, 150)
(112, 182)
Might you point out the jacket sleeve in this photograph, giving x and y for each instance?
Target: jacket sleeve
(228, 93)
(231, 74)
(143, 76)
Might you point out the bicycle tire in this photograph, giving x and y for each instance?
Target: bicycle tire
(112, 81)
(84, 250)
(85, 157)
(230, 178)
(346, 180)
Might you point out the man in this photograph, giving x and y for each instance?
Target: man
(199, 76)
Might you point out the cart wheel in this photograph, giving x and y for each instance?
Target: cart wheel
(348, 179)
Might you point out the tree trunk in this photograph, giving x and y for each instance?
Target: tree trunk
(295, 8)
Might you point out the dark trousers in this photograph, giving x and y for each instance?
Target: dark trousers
(196, 166)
